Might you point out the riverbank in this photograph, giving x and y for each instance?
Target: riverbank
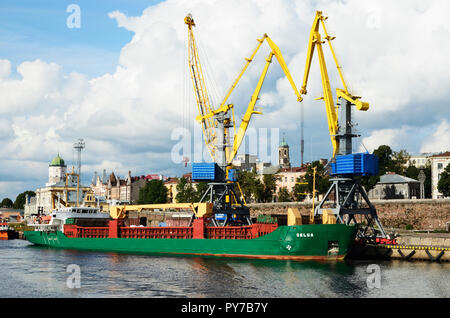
(423, 214)
(434, 247)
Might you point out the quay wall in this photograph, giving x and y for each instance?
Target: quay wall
(418, 214)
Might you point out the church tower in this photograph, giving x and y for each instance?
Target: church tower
(56, 171)
(283, 155)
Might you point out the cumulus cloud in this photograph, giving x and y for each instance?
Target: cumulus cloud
(395, 138)
(5, 68)
(439, 141)
(392, 53)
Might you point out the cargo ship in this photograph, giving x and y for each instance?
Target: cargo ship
(83, 228)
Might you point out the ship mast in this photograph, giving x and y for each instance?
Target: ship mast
(78, 146)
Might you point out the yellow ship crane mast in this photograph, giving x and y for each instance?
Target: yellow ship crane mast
(215, 122)
(315, 40)
(205, 109)
(346, 191)
(275, 51)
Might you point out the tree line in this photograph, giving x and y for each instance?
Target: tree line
(257, 188)
(19, 202)
(389, 161)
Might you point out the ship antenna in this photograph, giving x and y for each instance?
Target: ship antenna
(78, 146)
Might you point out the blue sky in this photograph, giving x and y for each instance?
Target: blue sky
(37, 29)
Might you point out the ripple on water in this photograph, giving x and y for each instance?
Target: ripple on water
(30, 271)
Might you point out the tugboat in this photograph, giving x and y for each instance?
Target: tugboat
(6, 233)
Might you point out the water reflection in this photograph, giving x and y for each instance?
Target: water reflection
(32, 271)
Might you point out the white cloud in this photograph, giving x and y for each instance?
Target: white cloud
(395, 138)
(439, 141)
(5, 68)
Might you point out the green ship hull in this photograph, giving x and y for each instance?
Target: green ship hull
(318, 241)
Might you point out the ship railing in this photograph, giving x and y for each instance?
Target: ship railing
(92, 232)
(44, 227)
(229, 232)
(156, 232)
(265, 228)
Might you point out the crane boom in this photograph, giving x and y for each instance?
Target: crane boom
(275, 51)
(332, 116)
(201, 94)
(239, 136)
(216, 122)
(346, 192)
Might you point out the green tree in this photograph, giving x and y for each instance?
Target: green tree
(200, 190)
(388, 161)
(153, 192)
(427, 183)
(284, 195)
(399, 161)
(7, 203)
(322, 179)
(444, 182)
(384, 154)
(299, 189)
(249, 183)
(412, 172)
(265, 190)
(185, 191)
(20, 199)
(369, 182)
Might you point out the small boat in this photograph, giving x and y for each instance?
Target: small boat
(6, 233)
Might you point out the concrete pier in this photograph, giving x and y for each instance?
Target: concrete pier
(433, 247)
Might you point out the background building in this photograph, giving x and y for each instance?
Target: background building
(438, 164)
(419, 160)
(394, 186)
(29, 207)
(56, 171)
(283, 155)
(115, 189)
(287, 178)
(11, 215)
(245, 162)
(171, 185)
(60, 190)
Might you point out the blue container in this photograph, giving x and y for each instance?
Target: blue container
(206, 172)
(220, 216)
(357, 164)
(232, 175)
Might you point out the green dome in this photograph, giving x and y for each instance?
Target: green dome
(57, 161)
(284, 143)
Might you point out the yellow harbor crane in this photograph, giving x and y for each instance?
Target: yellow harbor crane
(217, 121)
(344, 199)
(315, 40)
(215, 124)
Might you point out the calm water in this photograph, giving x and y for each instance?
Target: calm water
(30, 271)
